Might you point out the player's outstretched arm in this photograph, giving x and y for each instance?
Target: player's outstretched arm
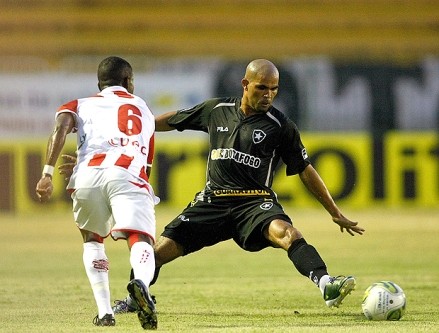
(161, 122)
(314, 183)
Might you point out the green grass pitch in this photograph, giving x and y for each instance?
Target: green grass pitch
(43, 286)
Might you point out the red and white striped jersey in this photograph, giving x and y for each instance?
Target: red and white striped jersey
(114, 128)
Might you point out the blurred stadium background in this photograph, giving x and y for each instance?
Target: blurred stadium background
(360, 78)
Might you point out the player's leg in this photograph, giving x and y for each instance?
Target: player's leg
(91, 216)
(189, 232)
(201, 224)
(267, 215)
(141, 257)
(96, 266)
(143, 264)
(306, 259)
(308, 262)
(133, 212)
(127, 304)
(165, 250)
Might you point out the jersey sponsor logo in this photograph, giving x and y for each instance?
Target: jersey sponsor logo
(243, 193)
(222, 129)
(304, 154)
(237, 156)
(122, 142)
(266, 205)
(258, 136)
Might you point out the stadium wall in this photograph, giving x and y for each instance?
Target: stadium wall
(371, 129)
(318, 93)
(404, 172)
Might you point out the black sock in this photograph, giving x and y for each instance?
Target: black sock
(156, 275)
(307, 260)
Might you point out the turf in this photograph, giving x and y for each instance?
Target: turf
(43, 286)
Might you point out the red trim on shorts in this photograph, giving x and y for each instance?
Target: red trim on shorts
(99, 238)
(133, 238)
(97, 160)
(130, 233)
(145, 186)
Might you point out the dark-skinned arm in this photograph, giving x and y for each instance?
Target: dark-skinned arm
(314, 183)
(63, 126)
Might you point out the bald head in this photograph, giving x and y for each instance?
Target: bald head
(261, 83)
(260, 68)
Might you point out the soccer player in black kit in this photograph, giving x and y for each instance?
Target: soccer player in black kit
(248, 137)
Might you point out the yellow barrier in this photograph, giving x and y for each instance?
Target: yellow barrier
(412, 169)
(345, 164)
(407, 171)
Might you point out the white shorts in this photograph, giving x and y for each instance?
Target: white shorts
(116, 205)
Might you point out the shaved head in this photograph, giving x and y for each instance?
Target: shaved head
(260, 68)
(260, 85)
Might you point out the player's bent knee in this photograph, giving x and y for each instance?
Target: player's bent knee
(281, 234)
(293, 235)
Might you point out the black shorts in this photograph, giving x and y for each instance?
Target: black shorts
(207, 223)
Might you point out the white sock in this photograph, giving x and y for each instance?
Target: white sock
(323, 281)
(96, 266)
(143, 262)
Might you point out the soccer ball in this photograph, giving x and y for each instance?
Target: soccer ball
(384, 300)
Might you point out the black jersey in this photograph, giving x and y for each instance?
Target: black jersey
(243, 151)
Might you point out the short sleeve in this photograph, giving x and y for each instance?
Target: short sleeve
(195, 118)
(292, 150)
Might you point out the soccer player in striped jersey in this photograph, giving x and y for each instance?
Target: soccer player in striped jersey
(109, 184)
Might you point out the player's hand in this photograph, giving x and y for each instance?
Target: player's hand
(66, 169)
(44, 188)
(345, 224)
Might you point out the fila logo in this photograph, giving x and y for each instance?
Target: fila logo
(258, 136)
(222, 129)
